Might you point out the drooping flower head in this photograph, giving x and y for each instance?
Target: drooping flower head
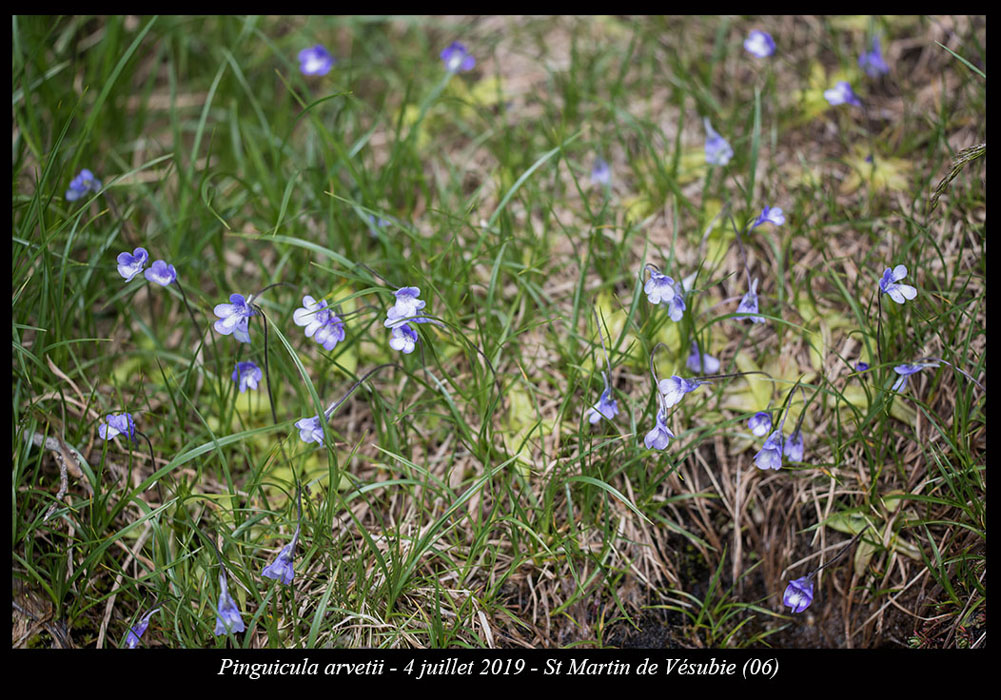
(842, 94)
(606, 406)
(793, 448)
(718, 150)
(138, 629)
(117, 424)
(906, 370)
(661, 435)
(281, 569)
(228, 618)
(315, 60)
(83, 183)
(673, 389)
(247, 375)
(234, 318)
(770, 215)
(601, 173)
(770, 455)
(759, 43)
(659, 289)
(760, 423)
(131, 265)
(890, 285)
(749, 304)
(331, 334)
(404, 339)
(799, 594)
(407, 308)
(310, 430)
(161, 273)
(872, 62)
(676, 307)
(456, 58)
(861, 366)
(702, 363)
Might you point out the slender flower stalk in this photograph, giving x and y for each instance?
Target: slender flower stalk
(281, 569)
(132, 639)
(311, 429)
(607, 406)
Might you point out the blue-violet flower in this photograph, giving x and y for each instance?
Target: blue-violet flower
(770, 455)
(83, 183)
(673, 389)
(842, 94)
(161, 273)
(770, 215)
(872, 61)
(137, 630)
(659, 289)
(799, 594)
(234, 318)
(889, 284)
(315, 60)
(702, 363)
(749, 304)
(228, 618)
(606, 406)
(759, 43)
(793, 448)
(661, 435)
(281, 568)
(403, 338)
(117, 423)
(247, 375)
(407, 308)
(601, 173)
(310, 430)
(718, 150)
(906, 370)
(456, 58)
(131, 265)
(760, 423)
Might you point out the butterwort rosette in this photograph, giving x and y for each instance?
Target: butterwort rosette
(234, 318)
(130, 265)
(799, 594)
(161, 273)
(83, 183)
(228, 619)
(138, 629)
(759, 43)
(115, 424)
(247, 375)
(702, 363)
(718, 150)
(842, 93)
(315, 60)
(889, 284)
(770, 455)
(456, 58)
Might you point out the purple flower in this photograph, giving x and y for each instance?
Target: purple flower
(703, 363)
(281, 568)
(841, 94)
(137, 630)
(770, 215)
(403, 338)
(131, 265)
(906, 370)
(407, 308)
(310, 430)
(376, 224)
(759, 44)
(228, 618)
(234, 317)
(659, 289)
(601, 174)
(872, 61)
(794, 446)
(676, 307)
(606, 406)
(861, 366)
(456, 58)
(161, 273)
(247, 375)
(117, 424)
(760, 423)
(660, 436)
(799, 594)
(673, 389)
(83, 183)
(770, 455)
(888, 284)
(315, 61)
(718, 151)
(749, 304)
(321, 324)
